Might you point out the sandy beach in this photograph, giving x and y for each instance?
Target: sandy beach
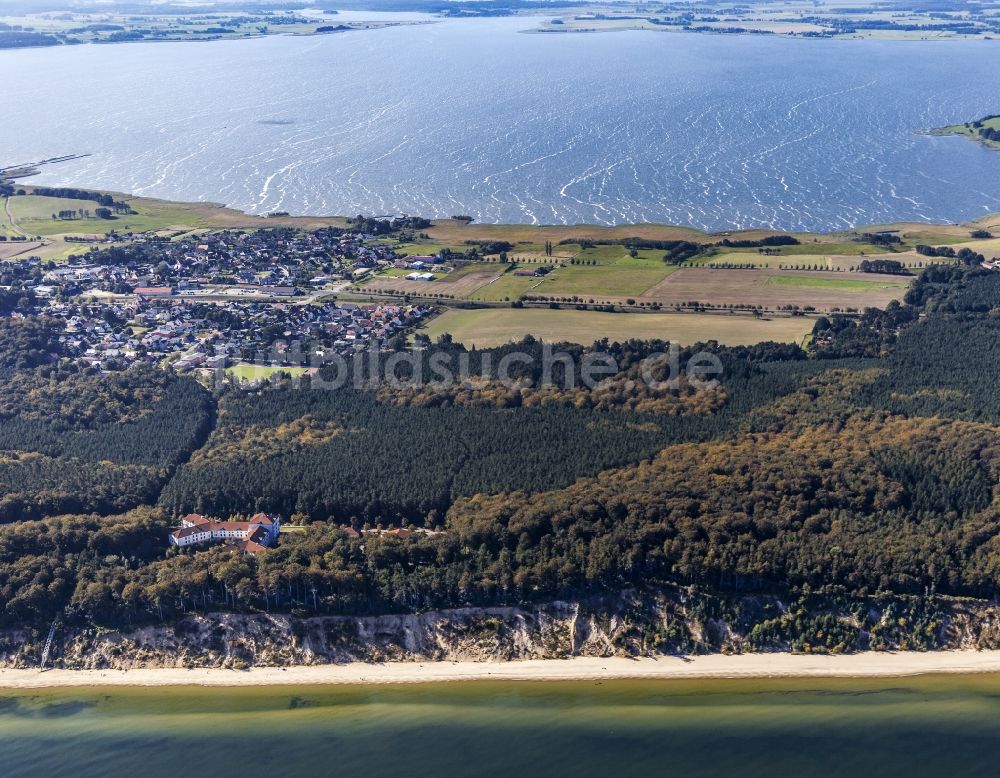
(872, 664)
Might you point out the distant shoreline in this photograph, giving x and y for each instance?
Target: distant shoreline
(721, 666)
(239, 36)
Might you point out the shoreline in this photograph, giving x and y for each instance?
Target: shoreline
(226, 216)
(721, 666)
(232, 217)
(958, 131)
(374, 24)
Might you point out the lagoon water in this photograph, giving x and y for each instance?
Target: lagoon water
(475, 117)
(946, 725)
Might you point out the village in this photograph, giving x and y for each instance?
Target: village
(211, 301)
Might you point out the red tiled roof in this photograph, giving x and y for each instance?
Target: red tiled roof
(154, 290)
(188, 531)
(255, 531)
(231, 526)
(249, 546)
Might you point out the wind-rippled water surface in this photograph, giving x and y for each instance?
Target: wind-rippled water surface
(473, 117)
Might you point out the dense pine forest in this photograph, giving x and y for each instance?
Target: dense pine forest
(75, 440)
(375, 454)
(864, 470)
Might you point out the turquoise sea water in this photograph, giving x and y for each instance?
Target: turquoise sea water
(944, 725)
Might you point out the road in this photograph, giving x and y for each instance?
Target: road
(10, 217)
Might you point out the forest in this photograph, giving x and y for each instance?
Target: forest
(76, 440)
(378, 453)
(866, 467)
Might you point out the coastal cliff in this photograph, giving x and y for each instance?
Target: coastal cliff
(631, 624)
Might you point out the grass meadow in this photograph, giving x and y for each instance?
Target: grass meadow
(487, 327)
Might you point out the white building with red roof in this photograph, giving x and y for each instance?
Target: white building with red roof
(253, 535)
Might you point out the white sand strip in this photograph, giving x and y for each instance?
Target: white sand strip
(871, 664)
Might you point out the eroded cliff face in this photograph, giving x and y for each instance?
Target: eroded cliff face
(629, 624)
(600, 627)
(230, 640)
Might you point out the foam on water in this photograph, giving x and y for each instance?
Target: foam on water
(469, 116)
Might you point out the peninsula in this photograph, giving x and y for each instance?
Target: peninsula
(866, 20)
(122, 23)
(985, 131)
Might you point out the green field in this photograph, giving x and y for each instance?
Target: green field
(402, 272)
(938, 239)
(423, 248)
(261, 372)
(607, 255)
(34, 215)
(463, 269)
(484, 328)
(459, 280)
(616, 273)
(33, 207)
(6, 227)
(846, 248)
(793, 262)
(744, 257)
(507, 288)
(614, 279)
(805, 254)
(812, 282)
(989, 248)
(604, 254)
(968, 131)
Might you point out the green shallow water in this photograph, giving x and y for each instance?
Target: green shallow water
(930, 725)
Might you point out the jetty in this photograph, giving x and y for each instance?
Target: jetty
(31, 168)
